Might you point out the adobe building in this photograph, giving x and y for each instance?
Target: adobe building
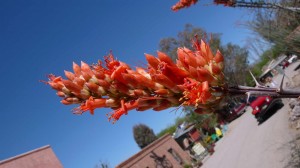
(272, 68)
(187, 132)
(164, 152)
(43, 157)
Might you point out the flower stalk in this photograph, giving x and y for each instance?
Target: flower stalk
(273, 92)
(196, 79)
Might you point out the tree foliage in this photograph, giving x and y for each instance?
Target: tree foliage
(143, 135)
(236, 63)
(168, 130)
(236, 57)
(279, 27)
(172, 127)
(169, 45)
(200, 120)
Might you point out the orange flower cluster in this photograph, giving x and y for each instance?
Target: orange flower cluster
(225, 2)
(190, 81)
(183, 4)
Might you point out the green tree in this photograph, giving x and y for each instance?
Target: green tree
(236, 63)
(143, 135)
(279, 27)
(169, 45)
(200, 120)
(172, 127)
(168, 130)
(236, 57)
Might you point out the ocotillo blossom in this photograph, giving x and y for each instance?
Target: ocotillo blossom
(163, 84)
(187, 3)
(183, 4)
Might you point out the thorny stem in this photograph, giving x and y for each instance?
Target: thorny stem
(260, 90)
(273, 92)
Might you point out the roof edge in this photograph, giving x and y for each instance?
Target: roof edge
(144, 149)
(24, 154)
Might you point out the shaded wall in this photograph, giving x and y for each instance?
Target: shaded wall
(164, 152)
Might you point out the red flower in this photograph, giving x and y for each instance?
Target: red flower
(162, 85)
(183, 4)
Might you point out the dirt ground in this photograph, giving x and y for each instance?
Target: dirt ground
(250, 145)
(296, 81)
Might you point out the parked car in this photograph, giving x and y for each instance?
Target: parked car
(263, 105)
(285, 64)
(240, 109)
(234, 110)
(292, 59)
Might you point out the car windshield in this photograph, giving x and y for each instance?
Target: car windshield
(252, 98)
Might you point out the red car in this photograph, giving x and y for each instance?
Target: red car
(263, 105)
(240, 109)
(234, 110)
(285, 64)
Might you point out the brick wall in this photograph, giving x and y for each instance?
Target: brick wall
(163, 151)
(39, 158)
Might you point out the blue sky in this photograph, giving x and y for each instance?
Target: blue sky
(41, 37)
